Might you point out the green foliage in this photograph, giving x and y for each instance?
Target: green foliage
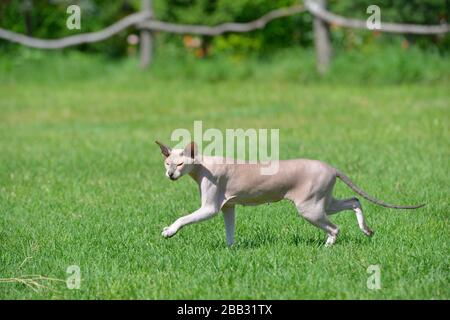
(379, 64)
(47, 19)
(280, 33)
(401, 11)
(426, 12)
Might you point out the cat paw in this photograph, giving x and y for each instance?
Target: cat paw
(168, 232)
(368, 232)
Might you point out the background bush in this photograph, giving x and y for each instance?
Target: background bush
(47, 19)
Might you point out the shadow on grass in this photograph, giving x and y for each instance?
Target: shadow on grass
(271, 239)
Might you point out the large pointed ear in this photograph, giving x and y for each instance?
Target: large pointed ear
(165, 150)
(191, 150)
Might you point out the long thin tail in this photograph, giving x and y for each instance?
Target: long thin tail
(358, 190)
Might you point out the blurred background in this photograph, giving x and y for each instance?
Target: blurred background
(288, 42)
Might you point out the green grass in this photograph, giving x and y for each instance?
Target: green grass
(82, 183)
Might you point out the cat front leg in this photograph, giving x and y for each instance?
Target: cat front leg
(204, 213)
(229, 219)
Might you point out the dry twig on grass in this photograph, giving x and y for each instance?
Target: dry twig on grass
(33, 282)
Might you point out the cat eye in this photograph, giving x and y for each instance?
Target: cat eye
(180, 164)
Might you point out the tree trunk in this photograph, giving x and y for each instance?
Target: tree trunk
(146, 38)
(27, 8)
(322, 42)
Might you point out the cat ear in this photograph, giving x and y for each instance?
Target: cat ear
(191, 150)
(165, 150)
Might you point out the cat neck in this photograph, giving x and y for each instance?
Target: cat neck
(195, 172)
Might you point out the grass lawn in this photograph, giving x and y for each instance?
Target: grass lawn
(82, 183)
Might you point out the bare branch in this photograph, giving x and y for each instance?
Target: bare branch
(224, 27)
(76, 39)
(334, 19)
(143, 20)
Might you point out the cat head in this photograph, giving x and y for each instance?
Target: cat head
(178, 162)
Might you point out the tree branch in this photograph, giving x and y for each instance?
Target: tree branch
(335, 19)
(143, 20)
(108, 32)
(224, 27)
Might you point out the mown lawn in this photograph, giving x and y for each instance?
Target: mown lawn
(82, 183)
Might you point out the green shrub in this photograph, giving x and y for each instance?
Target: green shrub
(47, 19)
(378, 64)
